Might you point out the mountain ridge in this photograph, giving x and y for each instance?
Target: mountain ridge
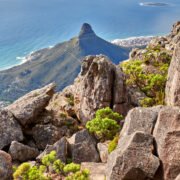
(60, 63)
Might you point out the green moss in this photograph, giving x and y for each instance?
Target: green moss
(113, 144)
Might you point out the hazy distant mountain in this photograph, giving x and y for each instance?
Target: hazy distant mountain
(60, 64)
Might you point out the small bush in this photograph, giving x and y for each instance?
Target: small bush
(105, 125)
(72, 167)
(79, 175)
(58, 166)
(26, 171)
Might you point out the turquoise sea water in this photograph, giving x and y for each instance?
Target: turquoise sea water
(28, 25)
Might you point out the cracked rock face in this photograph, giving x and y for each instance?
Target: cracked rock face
(10, 129)
(167, 137)
(100, 84)
(173, 82)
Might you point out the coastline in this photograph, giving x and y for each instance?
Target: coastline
(130, 42)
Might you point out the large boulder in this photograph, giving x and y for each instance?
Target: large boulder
(167, 136)
(140, 119)
(5, 166)
(21, 152)
(46, 134)
(61, 148)
(83, 147)
(100, 84)
(10, 129)
(26, 108)
(173, 82)
(133, 158)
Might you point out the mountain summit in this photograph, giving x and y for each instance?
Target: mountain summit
(86, 29)
(60, 64)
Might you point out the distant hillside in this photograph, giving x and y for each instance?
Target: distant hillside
(60, 64)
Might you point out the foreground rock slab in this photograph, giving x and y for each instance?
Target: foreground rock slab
(5, 166)
(10, 129)
(133, 158)
(167, 136)
(26, 108)
(97, 170)
(21, 152)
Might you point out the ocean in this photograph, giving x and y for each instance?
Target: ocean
(29, 25)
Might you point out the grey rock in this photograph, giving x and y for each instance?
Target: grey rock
(27, 108)
(167, 136)
(5, 166)
(21, 152)
(46, 134)
(83, 147)
(133, 158)
(61, 148)
(10, 129)
(173, 82)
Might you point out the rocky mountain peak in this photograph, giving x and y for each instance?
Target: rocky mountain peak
(86, 29)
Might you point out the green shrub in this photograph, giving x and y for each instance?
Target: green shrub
(72, 167)
(151, 83)
(79, 175)
(105, 125)
(113, 144)
(49, 159)
(27, 172)
(58, 166)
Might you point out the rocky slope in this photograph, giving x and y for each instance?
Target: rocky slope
(60, 64)
(148, 143)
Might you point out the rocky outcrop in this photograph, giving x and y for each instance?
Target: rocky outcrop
(29, 106)
(21, 152)
(133, 158)
(167, 137)
(100, 84)
(83, 147)
(5, 166)
(10, 129)
(61, 148)
(173, 82)
(97, 170)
